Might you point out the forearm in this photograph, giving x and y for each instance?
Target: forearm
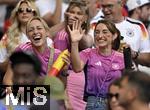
(53, 19)
(143, 59)
(75, 58)
(7, 80)
(3, 66)
(53, 30)
(8, 2)
(57, 13)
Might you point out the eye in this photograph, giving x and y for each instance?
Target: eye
(72, 12)
(30, 29)
(39, 28)
(28, 10)
(20, 10)
(105, 32)
(80, 13)
(96, 32)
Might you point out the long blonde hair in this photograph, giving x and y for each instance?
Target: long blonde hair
(14, 30)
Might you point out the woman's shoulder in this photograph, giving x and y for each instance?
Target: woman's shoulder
(62, 34)
(89, 52)
(24, 46)
(119, 58)
(118, 54)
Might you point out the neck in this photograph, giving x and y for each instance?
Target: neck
(118, 19)
(138, 105)
(41, 49)
(105, 51)
(23, 28)
(135, 16)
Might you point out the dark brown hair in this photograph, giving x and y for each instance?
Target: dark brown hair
(112, 28)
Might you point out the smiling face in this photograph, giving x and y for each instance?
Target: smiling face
(103, 37)
(24, 13)
(37, 33)
(111, 9)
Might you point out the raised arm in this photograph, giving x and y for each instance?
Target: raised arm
(7, 80)
(56, 28)
(53, 19)
(76, 34)
(8, 2)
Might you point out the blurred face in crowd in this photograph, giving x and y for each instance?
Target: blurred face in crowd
(145, 12)
(126, 94)
(113, 98)
(75, 13)
(24, 12)
(103, 36)
(111, 9)
(24, 74)
(37, 33)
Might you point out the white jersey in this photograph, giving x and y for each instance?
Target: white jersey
(135, 34)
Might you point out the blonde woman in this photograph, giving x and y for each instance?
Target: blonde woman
(36, 31)
(15, 35)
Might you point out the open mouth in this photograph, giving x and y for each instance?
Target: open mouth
(37, 38)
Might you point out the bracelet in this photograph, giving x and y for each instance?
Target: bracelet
(136, 55)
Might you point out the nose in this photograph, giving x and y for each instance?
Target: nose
(35, 31)
(98, 35)
(113, 99)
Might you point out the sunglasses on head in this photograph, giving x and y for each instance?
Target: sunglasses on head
(110, 95)
(28, 10)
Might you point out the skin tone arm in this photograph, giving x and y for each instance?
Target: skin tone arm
(8, 76)
(54, 29)
(54, 18)
(8, 2)
(3, 66)
(76, 35)
(143, 59)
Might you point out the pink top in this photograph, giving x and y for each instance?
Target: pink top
(43, 57)
(101, 70)
(61, 40)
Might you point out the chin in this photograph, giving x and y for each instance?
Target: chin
(38, 45)
(101, 46)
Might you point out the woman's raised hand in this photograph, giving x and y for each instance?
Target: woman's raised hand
(76, 31)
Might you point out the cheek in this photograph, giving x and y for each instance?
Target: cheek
(29, 35)
(31, 15)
